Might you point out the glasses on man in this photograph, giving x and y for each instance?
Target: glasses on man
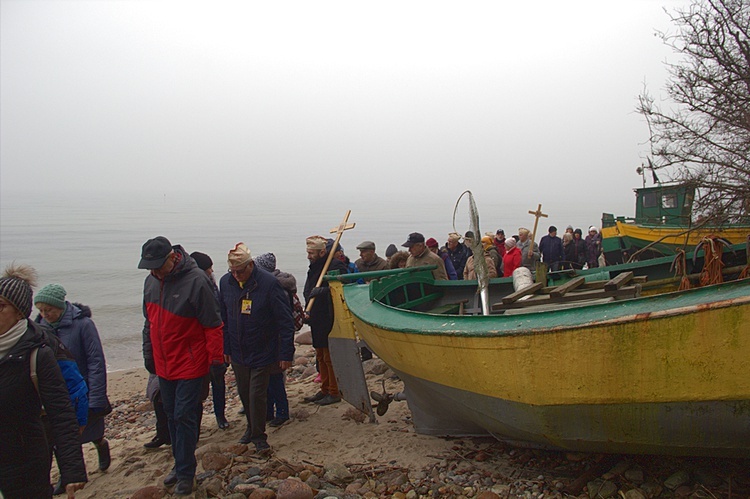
(238, 271)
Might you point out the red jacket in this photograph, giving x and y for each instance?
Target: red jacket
(182, 334)
(511, 261)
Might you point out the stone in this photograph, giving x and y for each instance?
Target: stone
(601, 489)
(213, 486)
(634, 494)
(337, 472)
(314, 482)
(394, 478)
(245, 488)
(150, 492)
(294, 489)
(683, 491)
(675, 480)
(235, 449)
(501, 489)
(309, 371)
(214, 461)
(262, 494)
(304, 338)
(634, 475)
(301, 361)
(304, 475)
(617, 470)
(201, 477)
(374, 366)
(235, 496)
(651, 489)
(300, 414)
(207, 448)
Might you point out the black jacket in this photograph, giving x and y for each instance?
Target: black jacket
(24, 458)
(321, 313)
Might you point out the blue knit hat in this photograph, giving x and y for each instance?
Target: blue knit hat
(51, 294)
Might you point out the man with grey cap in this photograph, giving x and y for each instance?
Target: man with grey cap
(368, 260)
(421, 256)
(182, 338)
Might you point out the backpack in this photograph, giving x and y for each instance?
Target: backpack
(298, 313)
(77, 388)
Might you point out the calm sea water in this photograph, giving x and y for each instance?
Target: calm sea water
(91, 244)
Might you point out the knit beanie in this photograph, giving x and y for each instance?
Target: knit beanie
(391, 250)
(51, 294)
(266, 261)
(203, 260)
(15, 286)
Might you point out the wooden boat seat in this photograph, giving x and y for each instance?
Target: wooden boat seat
(609, 289)
(456, 308)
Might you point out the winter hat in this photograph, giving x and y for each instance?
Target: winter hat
(329, 245)
(593, 229)
(266, 261)
(487, 242)
(315, 243)
(578, 231)
(239, 255)
(51, 294)
(203, 260)
(431, 243)
(510, 243)
(15, 286)
(391, 250)
(453, 236)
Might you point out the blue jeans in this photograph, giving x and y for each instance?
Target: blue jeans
(277, 397)
(183, 405)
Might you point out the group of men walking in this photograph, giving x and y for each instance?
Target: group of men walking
(191, 326)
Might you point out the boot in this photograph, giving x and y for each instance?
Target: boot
(102, 448)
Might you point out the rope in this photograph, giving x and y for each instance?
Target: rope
(712, 267)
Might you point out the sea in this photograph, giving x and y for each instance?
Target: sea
(91, 243)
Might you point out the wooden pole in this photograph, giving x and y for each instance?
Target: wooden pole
(339, 232)
(537, 214)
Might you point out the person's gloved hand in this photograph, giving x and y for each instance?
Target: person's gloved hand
(319, 291)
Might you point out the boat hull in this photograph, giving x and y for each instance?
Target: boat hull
(662, 240)
(664, 374)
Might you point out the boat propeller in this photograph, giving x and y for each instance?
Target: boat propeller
(384, 400)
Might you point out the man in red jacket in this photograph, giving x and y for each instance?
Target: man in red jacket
(182, 338)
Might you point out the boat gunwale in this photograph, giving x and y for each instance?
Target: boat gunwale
(438, 324)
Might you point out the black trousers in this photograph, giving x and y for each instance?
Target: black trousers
(252, 384)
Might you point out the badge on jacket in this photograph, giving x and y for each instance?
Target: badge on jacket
(247, 306)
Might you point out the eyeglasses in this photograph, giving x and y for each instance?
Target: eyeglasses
(238, 271)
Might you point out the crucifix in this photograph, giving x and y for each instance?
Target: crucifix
(537, 215)
(344, 225)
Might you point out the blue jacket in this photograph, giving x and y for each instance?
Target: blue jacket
(78, 333)
(552, 249)
(263, 335)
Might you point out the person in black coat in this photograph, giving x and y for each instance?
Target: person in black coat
(320, 318)
(24, 349)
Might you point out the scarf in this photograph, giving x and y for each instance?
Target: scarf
(11, 337)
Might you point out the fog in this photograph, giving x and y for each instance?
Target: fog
(529, 101)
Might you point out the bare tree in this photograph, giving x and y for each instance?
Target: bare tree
(703, 136)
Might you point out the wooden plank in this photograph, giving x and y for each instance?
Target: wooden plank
(624, 292)
(513, 297)
(563, 289)
(619, 281)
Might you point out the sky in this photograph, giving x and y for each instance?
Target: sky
(529, 101)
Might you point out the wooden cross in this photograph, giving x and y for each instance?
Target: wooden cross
(537, 215)
(339, 232)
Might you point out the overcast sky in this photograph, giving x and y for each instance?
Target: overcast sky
(518, 99)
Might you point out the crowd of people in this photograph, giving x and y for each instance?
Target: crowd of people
(53, 382)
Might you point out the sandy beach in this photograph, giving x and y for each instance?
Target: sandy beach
(386, 459)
